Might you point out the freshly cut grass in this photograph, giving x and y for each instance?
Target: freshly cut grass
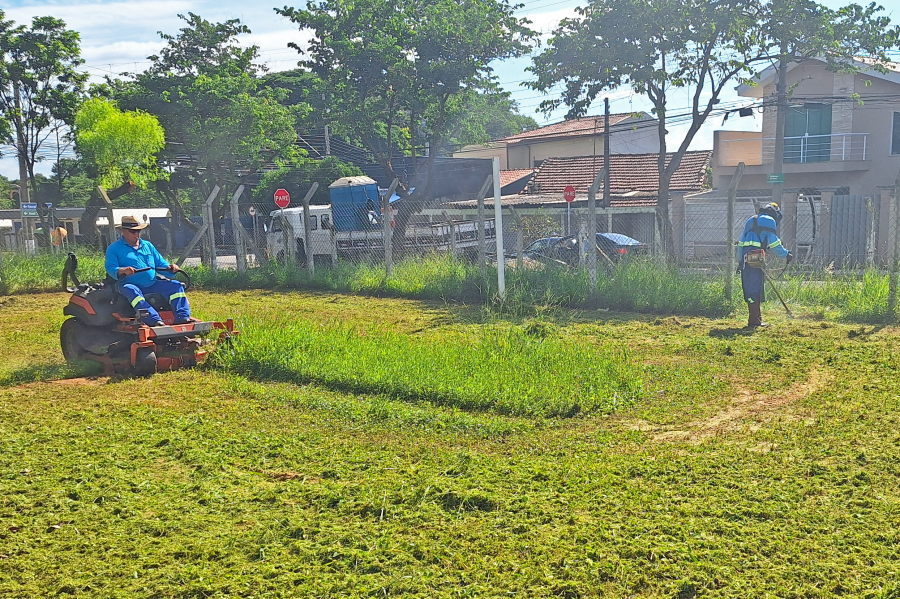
(505, 370)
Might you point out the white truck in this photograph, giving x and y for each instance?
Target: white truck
(327, 242)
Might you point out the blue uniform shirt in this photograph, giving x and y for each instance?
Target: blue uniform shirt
(766, 238)
(121, 254)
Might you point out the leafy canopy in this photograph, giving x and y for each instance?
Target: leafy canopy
(405, 73)
(121, 145)
(39, 65)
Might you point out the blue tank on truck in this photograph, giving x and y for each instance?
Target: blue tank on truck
(353, 199)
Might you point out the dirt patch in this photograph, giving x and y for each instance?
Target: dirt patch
(81, 381)
(744, 405)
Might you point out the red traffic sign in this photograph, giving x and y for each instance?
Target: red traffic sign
(282, 198)
(569, 193)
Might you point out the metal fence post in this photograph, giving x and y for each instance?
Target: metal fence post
(211, 231)
(482, 239)
(729, 232)
(498, 231)
(895, 255)
(592, 226)
(520, 238)
(387, 237)
(240, 251)
(307, 230)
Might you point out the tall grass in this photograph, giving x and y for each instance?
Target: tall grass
(849, 297)
(23, 273)
(633, 286)
(522, 371)
(648, 286)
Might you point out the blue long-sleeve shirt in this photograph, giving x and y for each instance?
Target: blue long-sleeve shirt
(760, 233)
(121, 254)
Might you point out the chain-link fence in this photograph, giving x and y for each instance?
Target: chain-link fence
(830, 234)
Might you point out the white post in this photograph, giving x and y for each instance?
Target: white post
(307, 231)
(388, 237)
(211, 229)
(240, 251)
(592, 227)
(482, 239)
(498, 230)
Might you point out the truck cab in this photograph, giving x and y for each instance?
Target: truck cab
(287, 223)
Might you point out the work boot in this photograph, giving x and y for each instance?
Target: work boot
(755, 319)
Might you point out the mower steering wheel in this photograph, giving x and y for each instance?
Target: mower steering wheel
(186, 281)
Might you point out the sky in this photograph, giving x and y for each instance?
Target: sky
(118, 35)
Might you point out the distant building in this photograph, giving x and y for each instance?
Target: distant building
(630, 134)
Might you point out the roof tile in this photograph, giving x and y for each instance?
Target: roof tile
(628, 172)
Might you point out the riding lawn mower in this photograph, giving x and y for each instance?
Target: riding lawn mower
(105, 328)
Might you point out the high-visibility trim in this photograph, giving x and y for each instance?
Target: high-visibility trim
(775, 243)
(177, 295)
(754, 244)
(136, 301)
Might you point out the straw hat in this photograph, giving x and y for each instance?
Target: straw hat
(132, 224)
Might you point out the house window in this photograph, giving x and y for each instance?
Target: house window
(895, 135)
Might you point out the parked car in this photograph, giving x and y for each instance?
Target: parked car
(565, 249)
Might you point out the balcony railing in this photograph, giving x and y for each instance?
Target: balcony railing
(837, 147)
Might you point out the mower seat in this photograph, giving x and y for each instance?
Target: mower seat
(158, 301)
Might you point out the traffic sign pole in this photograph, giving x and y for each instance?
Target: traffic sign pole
(569, 197)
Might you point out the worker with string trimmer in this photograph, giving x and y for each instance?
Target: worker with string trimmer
(760, 234)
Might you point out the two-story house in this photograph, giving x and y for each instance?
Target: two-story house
(632, 133)
(841, 154)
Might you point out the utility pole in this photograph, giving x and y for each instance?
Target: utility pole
(24, 196)
(606, 152)
(780, 119)
(327, 142)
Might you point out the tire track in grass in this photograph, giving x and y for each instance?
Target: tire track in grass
(744, 405)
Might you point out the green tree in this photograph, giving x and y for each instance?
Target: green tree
(403, 74)
(298, 177)
(656, 46)
(492, 116)
(40, 86)
(120, 145)
(221, 123)
(6, 201)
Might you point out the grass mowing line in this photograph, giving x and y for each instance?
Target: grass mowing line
(378, 412)
(502, 370)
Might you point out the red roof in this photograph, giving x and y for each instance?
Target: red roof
(591, 125)
(507, 177)
(628, 172)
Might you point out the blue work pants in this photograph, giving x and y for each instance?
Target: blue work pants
(172, 291)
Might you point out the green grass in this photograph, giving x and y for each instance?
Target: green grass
(21, 273)
(643, 286)
(751, 465)
(496, 368)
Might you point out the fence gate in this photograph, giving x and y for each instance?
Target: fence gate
(845, 244)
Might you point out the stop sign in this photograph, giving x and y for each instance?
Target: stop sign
(282, 198)
(569, 193)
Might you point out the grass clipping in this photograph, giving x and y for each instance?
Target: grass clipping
(506, 370)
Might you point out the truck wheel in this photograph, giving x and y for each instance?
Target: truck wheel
(145, 362)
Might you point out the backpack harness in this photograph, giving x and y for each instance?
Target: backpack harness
(757, 258)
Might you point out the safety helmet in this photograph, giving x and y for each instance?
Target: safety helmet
(773, 210)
